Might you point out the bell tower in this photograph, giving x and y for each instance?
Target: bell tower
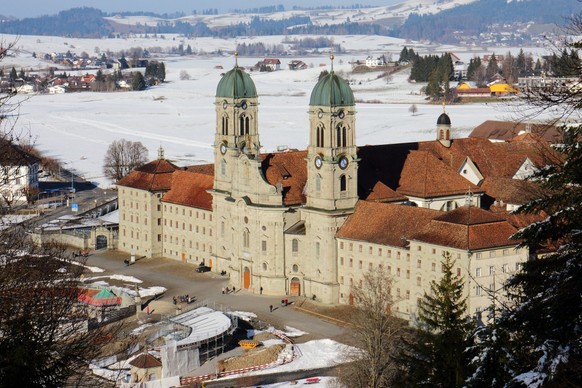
(236, 106)
(331, 155)
(444, 128)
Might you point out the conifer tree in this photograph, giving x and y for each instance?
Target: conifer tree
(438, 357)
(544, 323)
(138, 81)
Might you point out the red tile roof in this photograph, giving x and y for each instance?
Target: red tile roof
(424, 175)
(468, 228)
(506, 130)
(289, 169)
(386, 224)
(153, 176)
(512, 191)
(190, 189)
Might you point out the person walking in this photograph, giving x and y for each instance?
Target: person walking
(271, 308)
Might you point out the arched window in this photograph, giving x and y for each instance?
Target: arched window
(223, 167)
(295, 268)
(341, 136)
(246, 238)
(264, 266)
(241, 125)
(244, 125)
(225, 125)
(343, 183)
(295, 246)
(317, 183)
(320, 136)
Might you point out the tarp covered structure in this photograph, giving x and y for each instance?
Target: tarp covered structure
(99, 298)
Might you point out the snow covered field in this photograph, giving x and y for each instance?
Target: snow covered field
(179, 115)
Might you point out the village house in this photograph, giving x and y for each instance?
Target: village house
(18, 174)
(313, 222)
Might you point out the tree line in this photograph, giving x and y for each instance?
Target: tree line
(438, 71)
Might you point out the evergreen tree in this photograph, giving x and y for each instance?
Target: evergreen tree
(438, 356)
(492, 67)
(138, 81)
(13, 74)
(492, 363)
(544, 324)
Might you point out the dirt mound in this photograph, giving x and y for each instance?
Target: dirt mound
(253, 357)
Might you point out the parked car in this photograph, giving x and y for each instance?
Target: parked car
(203, 268)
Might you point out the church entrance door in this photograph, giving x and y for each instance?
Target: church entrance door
(247, 278)
(295, 287)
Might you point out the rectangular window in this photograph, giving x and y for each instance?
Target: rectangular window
(370, 250)
(360, 248)
(491, 270)
(398, 272)
(407, 274)
(379, 251)
(341, 280)
(418, 280)
(492, 254)
(477, 272)
(419, 248)
(370, 267)
(351, 262)
(433, 251)
(419, 264)
(398, 255)
(341, 261)
(478, 290)
(264, 246)
(389, 253)
(478, 255)
(433, 267)
(458, 272)
(360, 264)
(341, 245)
(407, 294)
(506, 252)
(351, 247)
(505, 268)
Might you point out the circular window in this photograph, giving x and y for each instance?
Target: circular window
(264, 228)
(246, 219)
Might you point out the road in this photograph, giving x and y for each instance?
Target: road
(180, 279)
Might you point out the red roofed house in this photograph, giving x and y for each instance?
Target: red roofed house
(313, 222)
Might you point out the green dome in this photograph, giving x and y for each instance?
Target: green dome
(236, 84)
(332, 90)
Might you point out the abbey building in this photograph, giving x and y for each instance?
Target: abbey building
(313, 222)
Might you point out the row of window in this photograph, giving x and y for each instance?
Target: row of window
(504, 268)
(341, 136)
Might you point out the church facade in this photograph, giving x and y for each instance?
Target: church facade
(313, 222)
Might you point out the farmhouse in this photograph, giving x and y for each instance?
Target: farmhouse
(313, 222)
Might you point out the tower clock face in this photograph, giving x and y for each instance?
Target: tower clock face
(224, 105)
(320, 114)
(341, 114)
(318, 162)
(223, 148)
(343, 162)
(243, 105)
